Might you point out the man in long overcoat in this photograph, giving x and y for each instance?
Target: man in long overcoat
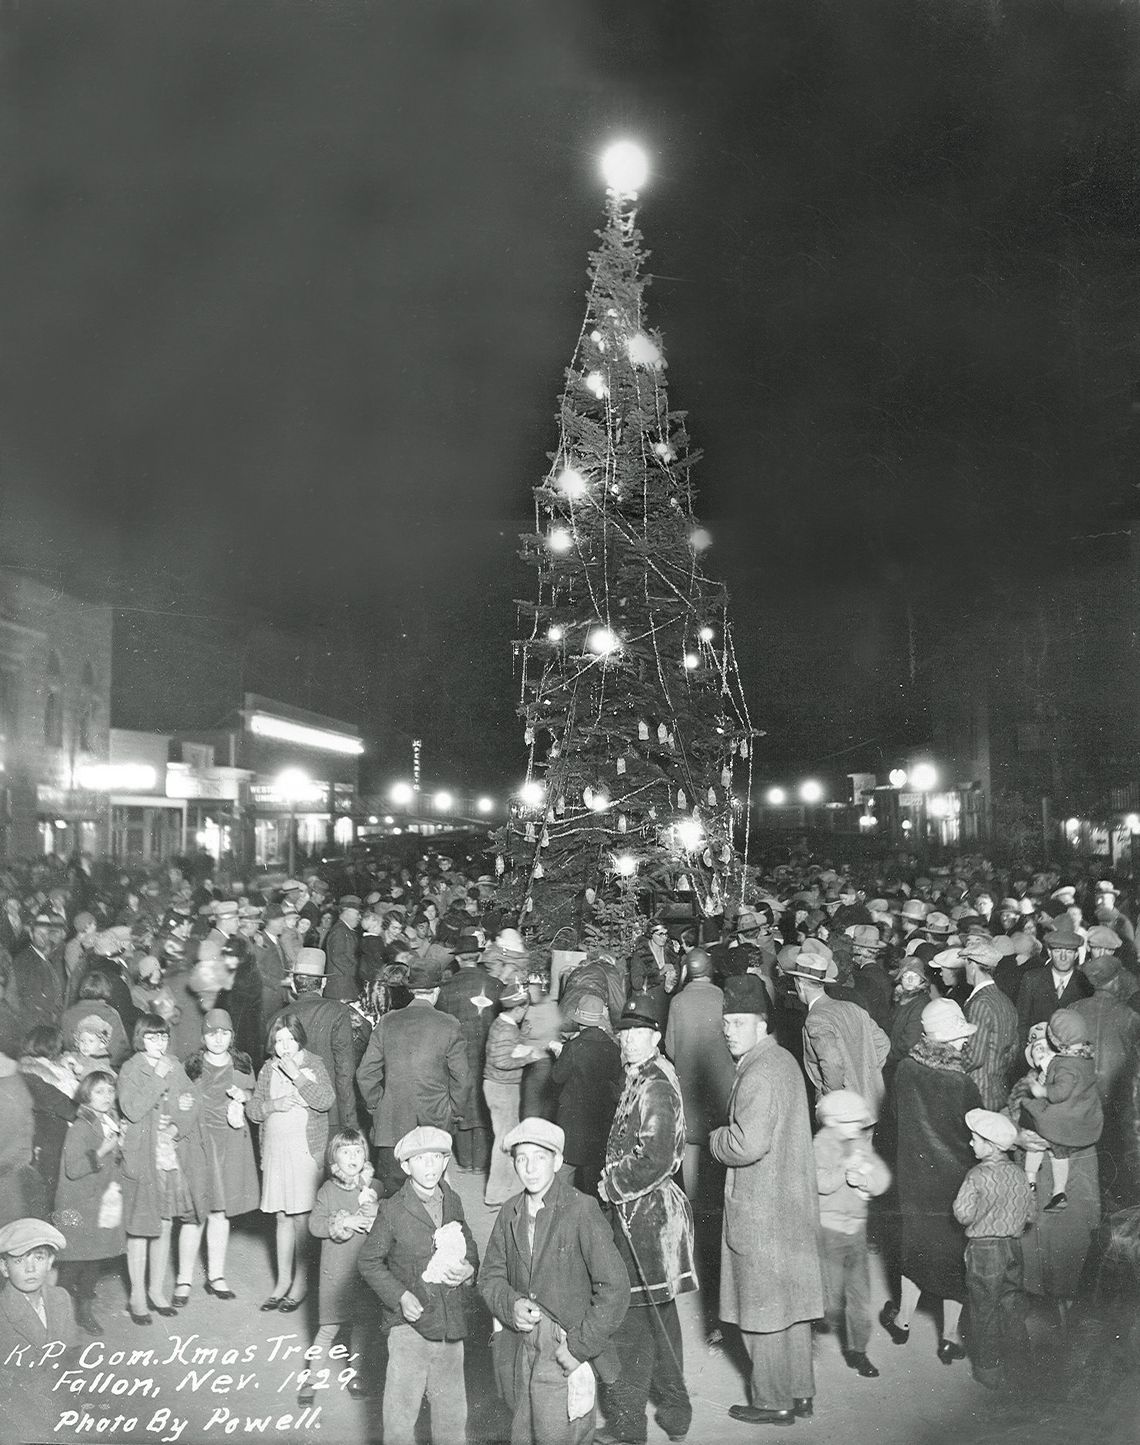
(471, 996)
(414, 1070)
(694, 1041)
(770, 1281)
(653, 1230)
(342, 947)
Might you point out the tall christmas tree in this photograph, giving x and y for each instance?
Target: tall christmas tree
(634, 714)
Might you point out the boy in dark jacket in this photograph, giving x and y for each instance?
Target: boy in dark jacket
(420, 1258)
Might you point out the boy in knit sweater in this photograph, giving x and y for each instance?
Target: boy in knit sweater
(996, 1204)
(848, 1173)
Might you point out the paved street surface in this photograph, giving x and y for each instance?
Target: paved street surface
(917, 1401)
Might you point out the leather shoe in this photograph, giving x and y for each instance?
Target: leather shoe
(802, 1409)
(143, 1319)
(754, 1415)
(272, 1303)
(166, 1311)
(859, 1362)
(887, 1316)
(948, 1352)
(357, 1388)
(212, 1288)
(288, 1305)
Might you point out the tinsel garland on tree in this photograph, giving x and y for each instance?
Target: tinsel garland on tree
(636, 728)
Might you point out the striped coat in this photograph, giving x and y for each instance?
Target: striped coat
(992, 1052)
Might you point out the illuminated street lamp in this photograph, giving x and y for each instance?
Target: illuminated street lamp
(923, 777)
(777, 797)
(443, 801)
(402, 794)
(485, 805)
(811, 791)
(293, 786)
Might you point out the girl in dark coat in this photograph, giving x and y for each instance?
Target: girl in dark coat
(52, 1086)
(89, 1200)
(588, 1076)
(932, 1095)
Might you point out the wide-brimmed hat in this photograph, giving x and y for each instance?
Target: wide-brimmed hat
(312, 962)
(939, 923)
(814, 966)
(914, 908)
(865, 935)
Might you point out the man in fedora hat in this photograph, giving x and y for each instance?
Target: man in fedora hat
(653, 1230)
(843, 1046)
(1059, 985)
(771, 1286)
(342, 948)
(871, 985)
(991, 1052)
(694, 1041)
(414, 1070)
(328, 1029)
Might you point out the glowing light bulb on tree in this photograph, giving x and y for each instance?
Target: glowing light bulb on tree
(602, 641)
(625, 865)
(706, 634)
(625, 168)
(559, 540)
(599, 802)
(596, 383)
(532, 794)
(572, 483)
(700, 540)
(690, 835)
(555, 633)
(692, 661)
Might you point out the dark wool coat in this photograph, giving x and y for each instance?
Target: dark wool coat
(142, 1097)
(37, 987)
(21, 1326)
(53, 1112)
(931, 1096)
(471, 995)
(338, 1300)
(652, 1219)
(1070, 1114)
(1038, 1002)
(992, 1053)
(342, 953)
(871, 990)
(575, 1274)
(220, 1168)
(906, 1027)
(328, 1030)
(414, 1071)
(589, 1078)
(83, 1181)
(769, 1267)
(1114, 1030)
(694, 1040)
(395, 1255)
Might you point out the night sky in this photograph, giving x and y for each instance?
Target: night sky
(288, 289)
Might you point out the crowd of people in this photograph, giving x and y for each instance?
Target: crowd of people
(943, 1068)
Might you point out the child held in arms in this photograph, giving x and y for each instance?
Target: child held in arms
(1065, 1107)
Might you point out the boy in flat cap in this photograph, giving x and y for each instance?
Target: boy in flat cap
(32, 1311)
(419, 1258)
(995, 1203)
(558, 1289)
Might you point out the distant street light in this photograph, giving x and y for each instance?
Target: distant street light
(443, 801)
(777, 797)
(485, 805)
(293, 786)
(811, 791)
(402, 794)
(924, 777)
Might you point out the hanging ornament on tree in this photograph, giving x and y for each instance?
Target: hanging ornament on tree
(529, 833)
(682, 801)
(544, 841)
(555, 750)
(707, 858)
(539, 871)
(726, 854)
(653, 815)
(670, 739)
(726, 778)
(560, 806)
(588, 796)
(621, 765)
(528, 737)
(528, 905)
(550, 815)
(623, 822)
(744, 748)
(642, 351)
(662, 732)
(643, 731)
(500, 865)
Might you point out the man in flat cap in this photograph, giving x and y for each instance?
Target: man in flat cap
(653, 1230)
(1059, 985)
(414, 1070)
(342, 949)
(991, 1052)
(771, 1286)
(32, 1311)
(556, 1285)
